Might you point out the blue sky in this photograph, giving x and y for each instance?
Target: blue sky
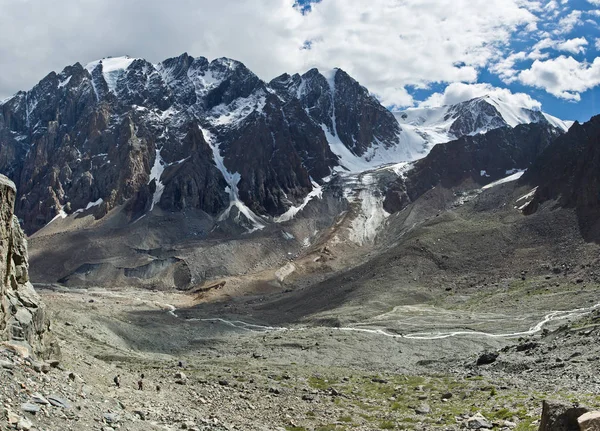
(542, 54)
(586, 27)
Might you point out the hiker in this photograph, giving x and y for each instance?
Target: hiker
(157, 388)
(140, 385)
(117, 380)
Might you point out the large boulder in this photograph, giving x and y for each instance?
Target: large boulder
(589, 421)
(23, 320)
(487, 358)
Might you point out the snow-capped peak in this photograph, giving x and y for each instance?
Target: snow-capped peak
(437, 125)
(515, 115)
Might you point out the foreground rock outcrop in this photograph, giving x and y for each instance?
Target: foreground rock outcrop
(558, 416)
(23, 320)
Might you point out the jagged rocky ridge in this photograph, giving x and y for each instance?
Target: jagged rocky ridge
(480, 159)
(185, 133)
(568, 174)
(23, 320)
(192, 134)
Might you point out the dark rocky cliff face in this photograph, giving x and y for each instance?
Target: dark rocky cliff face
(343, 107)
(192, 134)
(176, 135)
(568, 173)
(23, 321)
(481, 158)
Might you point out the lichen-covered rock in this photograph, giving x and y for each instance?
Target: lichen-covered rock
(23, 319)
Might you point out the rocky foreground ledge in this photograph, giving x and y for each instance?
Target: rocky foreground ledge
(24, 325)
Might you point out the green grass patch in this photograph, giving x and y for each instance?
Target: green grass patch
(387, 425)
(318, 383)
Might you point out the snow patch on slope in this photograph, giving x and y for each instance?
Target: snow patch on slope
(410, 147)
(238, 110)
(528, 195)
(515, 115)
(565, 125)
(347, 159)
(65, 82)
(316, 192)
(232, 181)
(90, 205)
(155, 174)
(61, 215)
(510, 178)
(204, 82)
(424, 128)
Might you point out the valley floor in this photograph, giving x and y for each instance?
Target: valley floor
(239, 372)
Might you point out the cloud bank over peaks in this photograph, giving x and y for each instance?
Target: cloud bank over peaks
(460, 92)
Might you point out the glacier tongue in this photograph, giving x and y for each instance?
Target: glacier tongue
(366, 225)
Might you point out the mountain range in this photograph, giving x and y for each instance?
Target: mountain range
(187, 133)
(181, 173)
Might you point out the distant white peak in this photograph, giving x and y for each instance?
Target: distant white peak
(112, 69)
(514, 114)
(442, 117)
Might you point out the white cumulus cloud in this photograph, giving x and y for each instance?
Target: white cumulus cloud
(563, 76)
(460, 92)
(568, 23)
(574, 46)
(385, 44)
